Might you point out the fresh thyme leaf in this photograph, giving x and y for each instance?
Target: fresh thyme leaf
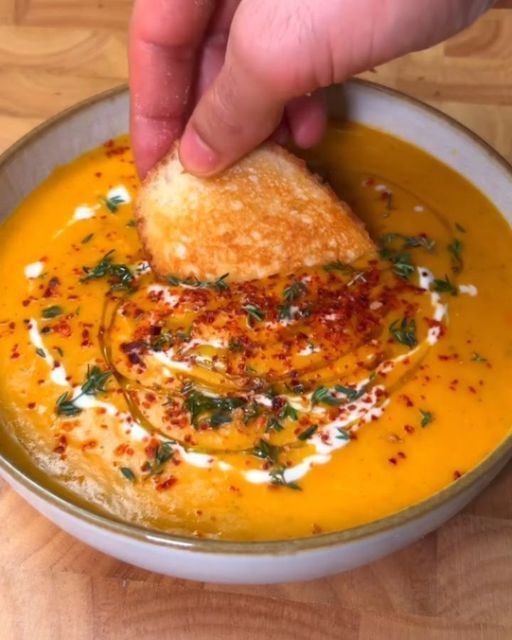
(404, 331)
(273, 424)
(60, 351)
(419, 241)
(455, 248)
(352, 394)
(41, 352)
(266, 451)
(131, 223)
(124, 276)
(52, 312)
(87, 238)
(106, 267)
(426, 418)
(235, 345)
(164, 453)
(294, 291)
(254, 312)
(219, 284)
(161, 342)
(278, 478)
(323, 395)
(444, 286)
(337, 266)
(65, 406)
(128, 473)
(409, 242)
(113, 203)
(218, 419)
(199, 404)
(308, 433)
(477, 357)
(251, 412)
(288, 412)
(342, 434)
(402, 266)
(95, 381)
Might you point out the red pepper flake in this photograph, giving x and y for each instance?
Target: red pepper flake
(166, 484)
(392, 461)
(409, 428)
(90, 444)
(31, 405)
(401, 455)
(457, 474)
(472, 389)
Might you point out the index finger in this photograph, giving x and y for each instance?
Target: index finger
(164, 38)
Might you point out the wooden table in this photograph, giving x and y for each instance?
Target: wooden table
(454, 584)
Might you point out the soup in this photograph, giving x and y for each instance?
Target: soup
(280, 408)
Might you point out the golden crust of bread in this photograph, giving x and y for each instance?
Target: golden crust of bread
(267, 214)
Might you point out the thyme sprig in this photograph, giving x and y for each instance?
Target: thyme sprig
(94, 383)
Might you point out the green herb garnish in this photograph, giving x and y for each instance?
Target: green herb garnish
(455, 248)
(323, 395)
(219, 284)
(87, 238)
(273, 424)
(278, 478)
(308, 433)
(95, 381)
(288, 412)
(426, 418)
(199, 404)
(351, 393)
(477, 357)
(409, 242)
(65, 406)
(52, 312)
(294, 291)
(235, 345)
(106, 267)
(254, 312)
(113, 203)
(444, 286)
(342, 434)
(404, 331)
(41, 352)
(337, 266)
(266, 451)
(128, 473)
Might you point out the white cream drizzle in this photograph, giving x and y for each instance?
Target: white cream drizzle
(469, 289)
(120, 193)
(84, 212)
(33, 270)
(57, 373)
(426, 278)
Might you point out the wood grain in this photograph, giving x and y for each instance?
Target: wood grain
(455, 584)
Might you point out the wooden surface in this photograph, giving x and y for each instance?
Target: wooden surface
(454, 584)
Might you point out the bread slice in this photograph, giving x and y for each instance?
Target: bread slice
(265, 215)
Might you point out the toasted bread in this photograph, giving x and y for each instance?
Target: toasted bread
(267, 214)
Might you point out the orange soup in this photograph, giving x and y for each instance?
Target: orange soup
(286, 407)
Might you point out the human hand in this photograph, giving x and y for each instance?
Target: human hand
(223, 74)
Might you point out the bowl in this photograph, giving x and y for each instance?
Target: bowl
(92, 122)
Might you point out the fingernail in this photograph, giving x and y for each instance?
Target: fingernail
(196, 155)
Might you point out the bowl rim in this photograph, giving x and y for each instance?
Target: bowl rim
(289, 546)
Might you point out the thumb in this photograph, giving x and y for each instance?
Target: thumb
(238, 112)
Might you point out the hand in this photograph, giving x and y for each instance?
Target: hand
(225, 74)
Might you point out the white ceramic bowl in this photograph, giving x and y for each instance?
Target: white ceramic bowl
(89, 124)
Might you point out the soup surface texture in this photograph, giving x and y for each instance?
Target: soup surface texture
(279, 408)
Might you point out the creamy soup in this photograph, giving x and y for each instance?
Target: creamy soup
(285, 407)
